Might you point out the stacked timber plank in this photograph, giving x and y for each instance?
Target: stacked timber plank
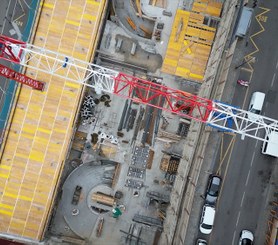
(191, 41)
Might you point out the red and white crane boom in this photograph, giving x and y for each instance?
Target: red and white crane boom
(21, 78)
(216, 114)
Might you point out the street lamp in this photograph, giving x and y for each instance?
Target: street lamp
(253, 59)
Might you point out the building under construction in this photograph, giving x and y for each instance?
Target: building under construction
(78, 165)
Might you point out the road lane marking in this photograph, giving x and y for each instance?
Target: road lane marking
(256, 144)
(234, 236)
(241, 203)
(247, 179)
(237, 220)
(262, 29)
(273, 79)
(276, 64)
(228, 150)
(252, 159)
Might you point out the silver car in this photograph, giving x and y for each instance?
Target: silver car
(201, 242)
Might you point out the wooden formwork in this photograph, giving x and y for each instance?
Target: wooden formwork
(42, 124)
(191, 41)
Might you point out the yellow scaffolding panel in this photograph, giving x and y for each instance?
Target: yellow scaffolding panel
(190, 41)
(41, 128)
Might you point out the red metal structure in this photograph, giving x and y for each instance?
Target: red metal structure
(21, 78)
(9, 51)
(162, 97)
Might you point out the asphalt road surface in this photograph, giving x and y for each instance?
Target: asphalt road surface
(16, 19)
(246, 189)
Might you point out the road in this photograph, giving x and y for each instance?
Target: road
(16, 20)
(245, 192)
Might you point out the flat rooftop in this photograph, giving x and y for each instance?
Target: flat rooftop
(42, 123)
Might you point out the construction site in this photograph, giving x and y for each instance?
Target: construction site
(82, 166)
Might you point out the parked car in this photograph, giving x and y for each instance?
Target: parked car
(256, 105)
(207, 219)
(213, 189)
(201, 242)
(246, 238)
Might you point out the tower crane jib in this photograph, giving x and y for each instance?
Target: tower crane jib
(214, 113)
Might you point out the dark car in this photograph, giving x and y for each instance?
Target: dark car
(213, 189)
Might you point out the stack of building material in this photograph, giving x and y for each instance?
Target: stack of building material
(191, 40)
(104, 199)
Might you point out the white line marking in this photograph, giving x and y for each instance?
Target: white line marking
(241, 201)
(234, 236)
(276, 64)
(273, 79)
(16, 28)
(26, 5)
(247, 179)
(237, 218)
(256, 144)
(252, 159)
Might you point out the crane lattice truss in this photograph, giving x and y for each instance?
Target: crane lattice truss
(21, 78)
(214, 113)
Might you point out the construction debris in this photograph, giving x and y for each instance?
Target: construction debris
(135, 184)
(161, 198)
(167, 13)
(76, 195)
(100, 227)
(104, 199)
(179, 30)
(164, 164)
(167, 136)
(148, 221)
(132, 236)
(160, 26)
(131, 23)
(170, 178)
(133, 49)
(136, 172)
(150, 159)
(140, 156)
(79, 141)
(147, 32)
(183, 127)
(118, 194)
(169, 164)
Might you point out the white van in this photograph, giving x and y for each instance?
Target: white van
(244, 22)
(255, 105)
(271, 146)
